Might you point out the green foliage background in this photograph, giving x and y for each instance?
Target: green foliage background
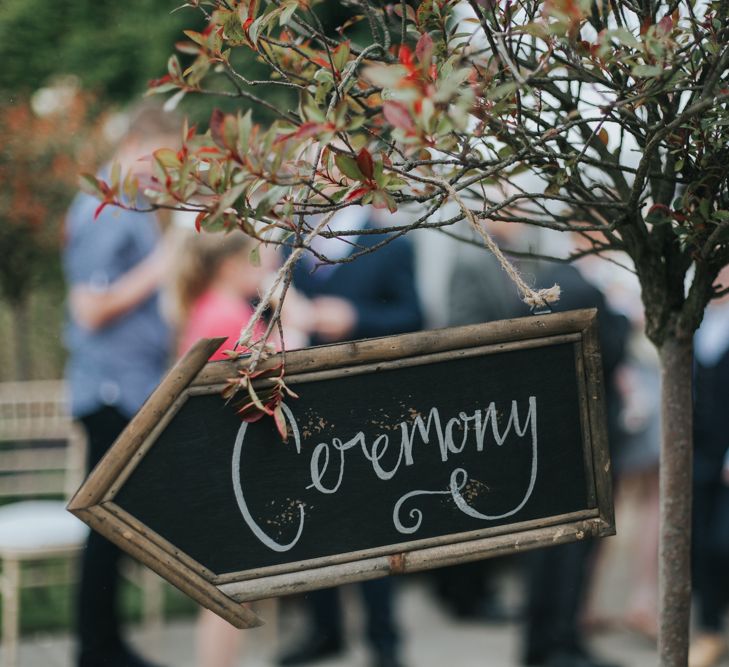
(113, 47)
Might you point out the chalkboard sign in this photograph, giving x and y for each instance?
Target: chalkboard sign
(405, 453)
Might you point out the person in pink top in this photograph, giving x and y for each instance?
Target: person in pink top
(211, 293)
(212, 290)
(215, 284)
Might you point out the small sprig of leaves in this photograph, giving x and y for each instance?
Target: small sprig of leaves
(263, 401)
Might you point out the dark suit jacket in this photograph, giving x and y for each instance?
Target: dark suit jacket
(711, 417)
(380, 285)
(613, 330)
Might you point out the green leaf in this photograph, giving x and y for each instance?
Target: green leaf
(130, 186)
(230, 131)
(348, 166)
(340, 56)
(90, 185)
(174, 68)
(244, 131)
(622, 36)
(647, 70)
(289, 8)
(270, 199)
(383, 199)
(385, 76)
(115, 175)
(503, 90)
(167, 158)
(278, 417)
(255, 255)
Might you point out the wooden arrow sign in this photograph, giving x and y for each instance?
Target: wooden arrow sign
(405, 453)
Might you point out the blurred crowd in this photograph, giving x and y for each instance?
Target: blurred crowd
(140, 295)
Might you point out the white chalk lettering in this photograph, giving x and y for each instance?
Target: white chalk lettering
(238, 488)
(325, 463)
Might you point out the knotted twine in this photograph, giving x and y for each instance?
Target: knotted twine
(532, 298)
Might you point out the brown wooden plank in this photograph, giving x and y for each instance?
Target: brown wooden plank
(129, 442)
(379, 350)
(167, 566)
(414, 561)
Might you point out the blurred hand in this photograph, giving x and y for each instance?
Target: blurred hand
(95, 307)
(334, 317)
(297, 312)
(725, 474)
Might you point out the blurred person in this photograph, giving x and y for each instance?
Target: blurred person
(213, 284)
(480, 291)
(119, 347)
(636, 454)
(374, 295)
(711, 483)
(559, 577)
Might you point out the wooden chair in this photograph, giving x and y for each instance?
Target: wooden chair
(42, 454)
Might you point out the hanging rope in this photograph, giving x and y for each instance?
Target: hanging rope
(246, 334)
(533, 298)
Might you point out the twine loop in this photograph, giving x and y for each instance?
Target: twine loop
(537, 300)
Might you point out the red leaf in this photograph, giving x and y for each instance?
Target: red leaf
(424, 49)
(278, 417)
(406, 56)
(198, 220)
(217, 121)
(665, 25)
(100, 208)
(659, 208)
(321, 62)
(382, 199)
(357, 193)
(208, 150)
(365, 164)
(397, 115)
(305, 130)
(154, 83)
(253, 416)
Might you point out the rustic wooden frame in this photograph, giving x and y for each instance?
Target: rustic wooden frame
(94, 501)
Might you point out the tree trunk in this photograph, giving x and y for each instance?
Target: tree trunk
(21, 336)
(676, 491)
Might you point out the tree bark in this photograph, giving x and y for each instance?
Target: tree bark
(675, 500)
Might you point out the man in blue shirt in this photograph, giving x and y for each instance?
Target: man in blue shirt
(119, 347)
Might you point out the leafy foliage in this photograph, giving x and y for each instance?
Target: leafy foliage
(609, 120)
(617, 111)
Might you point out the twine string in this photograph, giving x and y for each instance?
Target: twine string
(247, 331)
(535, 299)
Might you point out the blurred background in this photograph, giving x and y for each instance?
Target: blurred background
(70, 71)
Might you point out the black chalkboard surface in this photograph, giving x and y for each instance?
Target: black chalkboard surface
(404, 452)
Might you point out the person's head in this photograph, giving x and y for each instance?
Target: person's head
(215, 261)
(150, 127)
